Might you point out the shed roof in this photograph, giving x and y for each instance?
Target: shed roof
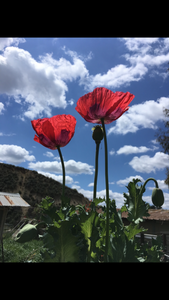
(155, 214)
(9, 199)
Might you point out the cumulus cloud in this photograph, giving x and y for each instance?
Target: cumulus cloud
(147, 164)
(143, 115)
(139, 44)
(112, 152)
(1, 107)
(14, 154)
(4, 42)
(144, 53)
(71, 167)
(128, 149)
(71, 102)
(48, 154)
(118, 197)
(24, 78)
(124, 182)
(68, 179)
(39, 84)
(161, 185)
(115, 77)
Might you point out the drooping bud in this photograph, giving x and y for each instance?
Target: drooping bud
(157, 197)
(97, 133)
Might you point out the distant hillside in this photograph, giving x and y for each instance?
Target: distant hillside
(32, 187)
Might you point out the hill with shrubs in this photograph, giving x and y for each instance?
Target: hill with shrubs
(32, 187)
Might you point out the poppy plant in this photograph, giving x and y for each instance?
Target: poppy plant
(53, 133)
(102, 106)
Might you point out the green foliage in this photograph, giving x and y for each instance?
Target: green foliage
(77, 233)
(136, 207)
(17, 252)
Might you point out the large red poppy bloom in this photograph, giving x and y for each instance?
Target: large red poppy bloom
(55, 131)
(103, 103)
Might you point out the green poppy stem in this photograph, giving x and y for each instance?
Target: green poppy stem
(63, 171)
(142, 189)
(107, 191)
(96, 169)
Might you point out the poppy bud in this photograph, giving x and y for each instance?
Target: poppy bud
(157, 197)
(97, 133)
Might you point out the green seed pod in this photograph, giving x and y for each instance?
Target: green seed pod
(97, 133)
(157, 197)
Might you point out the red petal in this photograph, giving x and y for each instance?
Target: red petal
(103, 103)
(43, 141)
(55, 131)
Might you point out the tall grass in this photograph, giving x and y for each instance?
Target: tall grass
(17, 252)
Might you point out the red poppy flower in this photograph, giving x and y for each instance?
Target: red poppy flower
(103, 103)
(55, 131)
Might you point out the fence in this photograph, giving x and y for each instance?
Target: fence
(147, 238)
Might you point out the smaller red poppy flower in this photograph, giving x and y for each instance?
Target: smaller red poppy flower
(54, 132)
(103, 103)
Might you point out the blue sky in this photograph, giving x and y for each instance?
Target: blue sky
(43, 77)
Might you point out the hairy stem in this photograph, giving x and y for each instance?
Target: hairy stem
(63, 171)
(156, 183)
(107, 190)
(96, 169)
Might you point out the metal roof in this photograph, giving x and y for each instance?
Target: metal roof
(9, 199)
(155, 214)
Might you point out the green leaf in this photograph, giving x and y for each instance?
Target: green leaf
(90, 231)
(98, 200)
(63, 243)
(136, 207)
(132, 229)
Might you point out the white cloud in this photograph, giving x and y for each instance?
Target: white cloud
(71, 102)
(14, 154)
(4, 42)
(166, 200)
(128, 149)
(71, 167)
(7, 134)
(39, 84)
(48, 154)
(138, 44)
(68, 179)
(125, 182)
(112, 152)
(63, 68)
(145, 54)
(154, 142)
(115, 77)
(91, 184)
(147, 164)
(118, 197)
(143, 115)
(23, 77)
(1, 107)
(161, 185)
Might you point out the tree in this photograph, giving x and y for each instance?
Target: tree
(163, 139)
